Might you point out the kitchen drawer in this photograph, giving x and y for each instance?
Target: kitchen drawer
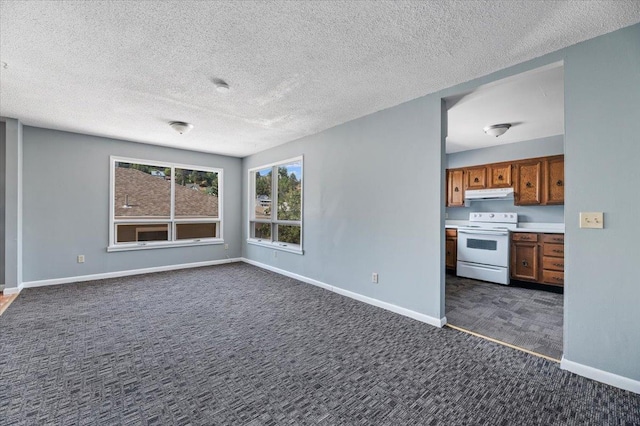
(553, 263)
(553, 238)
(553, 250)
(553, 277)
(451, 232)
(524, 236)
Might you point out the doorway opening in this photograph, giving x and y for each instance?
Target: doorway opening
(504, 211)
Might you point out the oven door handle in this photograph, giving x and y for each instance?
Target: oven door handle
(478, 232)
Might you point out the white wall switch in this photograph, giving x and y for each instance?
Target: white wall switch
(592, 220)
(81, 258)
(374, 278)
(226, 246)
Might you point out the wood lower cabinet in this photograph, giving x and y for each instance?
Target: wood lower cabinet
(451, 243)
(537, 257)
(525, 256)
(553, 259)
(455, 188)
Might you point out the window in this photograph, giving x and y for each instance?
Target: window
(275, 216)
(162, 205)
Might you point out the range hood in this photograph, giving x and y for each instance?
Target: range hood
(488, 194)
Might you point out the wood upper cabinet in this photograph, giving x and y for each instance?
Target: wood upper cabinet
(528, 188)
(455, 188)
(554, 180)
(476, 177)
(499, 175)
(524, 260)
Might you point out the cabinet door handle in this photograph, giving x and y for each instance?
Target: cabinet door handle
(558, 264)
(558, 251)
(528, 185)
(558, 279)
(559, 182)
(449, 254)
(476, 180)
(525, 263)
(456, 189)
(500, 177)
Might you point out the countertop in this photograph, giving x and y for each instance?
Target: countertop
(549, 228)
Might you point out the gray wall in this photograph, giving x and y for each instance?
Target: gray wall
(2, 195)
(374, 190)
(66, 205)
(602, 123)
(361, 201)
(553, 145)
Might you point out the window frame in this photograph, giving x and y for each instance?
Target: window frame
(172, 221)
(273, 221)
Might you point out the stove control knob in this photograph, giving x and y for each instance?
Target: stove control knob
(491, 215)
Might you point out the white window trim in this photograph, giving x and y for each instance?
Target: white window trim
(172, 221)
(276, 245)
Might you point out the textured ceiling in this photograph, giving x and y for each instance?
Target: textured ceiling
(125, 69)
(532, 102)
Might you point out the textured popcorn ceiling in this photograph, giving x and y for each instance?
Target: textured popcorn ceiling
(125, 69)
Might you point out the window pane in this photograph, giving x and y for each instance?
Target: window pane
(261, 230)
(142, 232)
(289, 234)
(142, 191)
(290, 191)
(196, 194)
(263, 194)
(192, 231)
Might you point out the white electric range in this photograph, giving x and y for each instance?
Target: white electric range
(483, 246)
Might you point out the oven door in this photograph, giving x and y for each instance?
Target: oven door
(485, 247)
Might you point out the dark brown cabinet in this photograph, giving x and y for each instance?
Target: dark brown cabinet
(527, 248)
(451, 243)
(476, 177)
(455, 188)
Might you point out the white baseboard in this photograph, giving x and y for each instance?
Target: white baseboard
(438, 322)
(81, 278)
(601, 375)
(12, 290)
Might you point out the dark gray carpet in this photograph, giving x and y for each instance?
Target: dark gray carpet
(236, 345)
(530, 319)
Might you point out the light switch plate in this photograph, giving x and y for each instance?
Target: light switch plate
(592, 220)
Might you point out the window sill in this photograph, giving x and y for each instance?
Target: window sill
(164, 244)
(276, 246)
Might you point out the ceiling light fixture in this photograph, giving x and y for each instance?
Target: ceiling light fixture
(497, 129)
(221, 85)
(181, 127)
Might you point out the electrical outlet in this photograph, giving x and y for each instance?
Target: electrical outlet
(374, 278)
(226, 246)
(81, 258)
(591, 220)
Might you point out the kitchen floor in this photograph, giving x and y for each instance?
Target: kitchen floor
(522, 317)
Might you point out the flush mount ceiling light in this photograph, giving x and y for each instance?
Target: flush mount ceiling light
(497, 129)
(221, 85)
(181, 127)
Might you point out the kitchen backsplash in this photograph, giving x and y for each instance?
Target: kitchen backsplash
(546, 214)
